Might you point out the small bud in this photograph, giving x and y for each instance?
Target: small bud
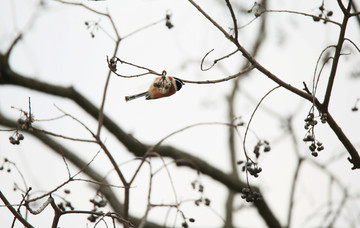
(249, 199)
(239, 162)
(312, 147)
(306, 126)
(191, 220)
(313, 123)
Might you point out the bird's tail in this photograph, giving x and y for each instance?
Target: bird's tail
(129, 98)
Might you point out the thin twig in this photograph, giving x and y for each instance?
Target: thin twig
(336, 56)
(143, 28)
(152, 148)
(304, 14)
(215, 61)
(248, 69)
(112, 65)
(352, 42)
(228, 4)
(14, 212)
(248, 126)
(63, 136)
(101, 110)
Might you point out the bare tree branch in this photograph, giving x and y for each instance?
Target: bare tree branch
(14, 212)
(336, 57)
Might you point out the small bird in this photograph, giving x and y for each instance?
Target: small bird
(162, 86)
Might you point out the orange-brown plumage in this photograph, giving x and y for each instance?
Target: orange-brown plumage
(162, 86)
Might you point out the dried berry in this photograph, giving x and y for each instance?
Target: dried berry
(185, 225)
(207, 202)
(312, 147)
(20, 137)
(92, 218)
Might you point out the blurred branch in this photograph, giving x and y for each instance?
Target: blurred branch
(231, 115)
(9, 77)
(139, 149)
(357, 12)
(298, 167)
(78, 162)
(101, 112)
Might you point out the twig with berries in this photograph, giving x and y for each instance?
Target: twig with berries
(310, 123)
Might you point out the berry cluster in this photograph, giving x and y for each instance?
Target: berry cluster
(196, 185)
(249, 195)
(168, 23)
(206, 201)
(250, 167)
(324, 14)
(63, 206)
(98, 202)
(185, 224)
(15, 140)
(2, 166)
(261, 143)
(92, 26)
(310, 122)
